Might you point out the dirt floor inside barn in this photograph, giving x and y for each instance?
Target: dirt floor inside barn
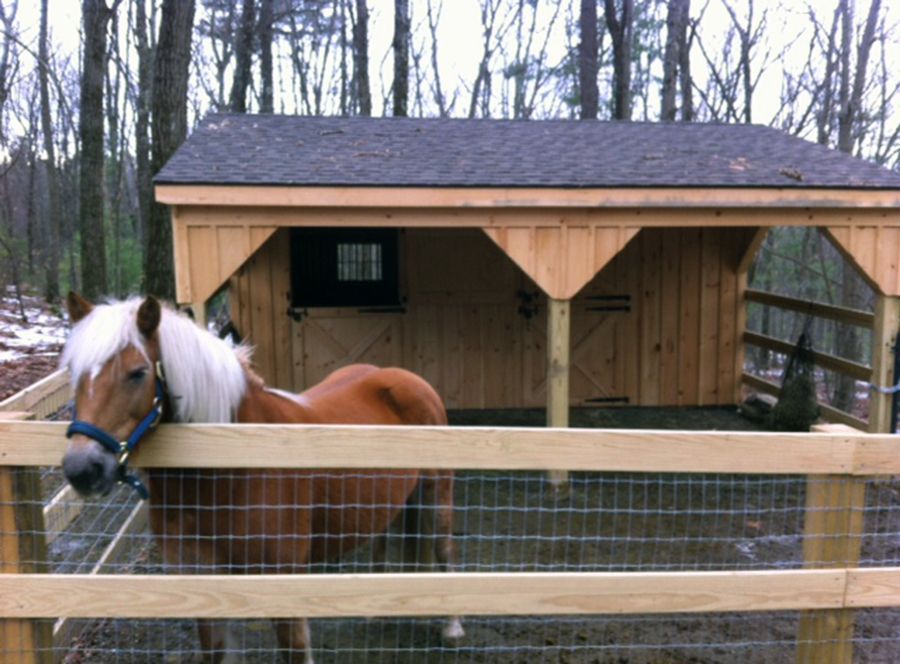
(604, 522)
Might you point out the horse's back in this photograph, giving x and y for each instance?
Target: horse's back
(366, 394)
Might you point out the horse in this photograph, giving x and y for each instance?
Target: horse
(136, 362)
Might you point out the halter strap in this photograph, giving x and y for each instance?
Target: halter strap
(123, 449)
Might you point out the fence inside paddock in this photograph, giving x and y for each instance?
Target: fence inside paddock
(841, 382)
(687, 546)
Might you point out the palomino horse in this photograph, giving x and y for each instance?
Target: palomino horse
(275, 521)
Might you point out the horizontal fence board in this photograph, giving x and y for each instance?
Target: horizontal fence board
(432, 594)
(828, 412)
(820, 309)
(305, 446)
(42, 398)
(831, 362)
(873, 588)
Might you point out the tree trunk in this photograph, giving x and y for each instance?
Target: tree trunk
(824, 119)
(54, 223)
(401, 57)
(438, 88)
(243, 58)
(266, 29)
(142, 119)
(587, 60)
(95, 18)
(168, 128)
(851, 100)
(621, 31)
(361, 58)
(674, 57)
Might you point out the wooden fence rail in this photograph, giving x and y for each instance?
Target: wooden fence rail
(480, 448)
(872, 321)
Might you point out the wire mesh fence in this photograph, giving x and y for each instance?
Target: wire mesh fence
(617, 522)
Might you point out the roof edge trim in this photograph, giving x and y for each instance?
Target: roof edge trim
(524, 197)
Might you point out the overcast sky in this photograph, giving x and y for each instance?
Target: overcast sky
(460, 35)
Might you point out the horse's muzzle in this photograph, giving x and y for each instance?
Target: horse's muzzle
(89, 468)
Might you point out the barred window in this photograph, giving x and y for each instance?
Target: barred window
(347, 267)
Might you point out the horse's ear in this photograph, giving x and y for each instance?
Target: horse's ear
(148, 316)
(78, 307)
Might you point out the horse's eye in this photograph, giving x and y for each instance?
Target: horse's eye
(137, 375)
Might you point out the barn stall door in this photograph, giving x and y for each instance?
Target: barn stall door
(600, 319)
(327, 339)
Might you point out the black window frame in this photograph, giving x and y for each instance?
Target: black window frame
(315, 280)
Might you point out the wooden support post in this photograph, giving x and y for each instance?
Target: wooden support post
(832, 538)
(884, 336)
(199, 309)
(23, 550)
(558, 349)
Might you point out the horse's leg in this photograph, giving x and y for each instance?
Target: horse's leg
(218, 643)
(293, 636)
(433, 537)
(182, 553)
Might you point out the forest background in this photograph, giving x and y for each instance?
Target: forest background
(95, 96)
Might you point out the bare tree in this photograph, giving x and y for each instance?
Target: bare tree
(52, 248)
(243, 56)
(851, 94)
(587, 60)
(621, 30)
(493, 31)
(265, 30)
(7, 18)
(676, 62)
(361, 58)
(95, 18)
(169, 128)
(219, 28)
(143, 32)
(400, 46)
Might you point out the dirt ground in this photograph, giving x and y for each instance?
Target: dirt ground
(515, 522)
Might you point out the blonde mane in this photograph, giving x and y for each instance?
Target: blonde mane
(205, 375)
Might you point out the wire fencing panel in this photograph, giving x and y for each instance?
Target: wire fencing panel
(618, 522)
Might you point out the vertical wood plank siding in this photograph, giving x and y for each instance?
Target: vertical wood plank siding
(469, 329)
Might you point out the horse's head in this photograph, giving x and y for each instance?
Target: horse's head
(112, 352)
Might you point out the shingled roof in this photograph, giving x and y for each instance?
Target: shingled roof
(233, 149)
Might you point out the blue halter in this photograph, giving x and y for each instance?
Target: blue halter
(123, 449)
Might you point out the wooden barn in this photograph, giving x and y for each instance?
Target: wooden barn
(513, 263)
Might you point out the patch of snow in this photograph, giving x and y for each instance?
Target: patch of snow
(43, 334)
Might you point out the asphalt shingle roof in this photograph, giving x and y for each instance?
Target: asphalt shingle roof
(232, 149)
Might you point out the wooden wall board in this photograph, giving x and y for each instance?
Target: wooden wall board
(650, 303)
(561, 259)
(670, 291)
(207, 255)
(874, 250)
(690, 300)
(475, 324)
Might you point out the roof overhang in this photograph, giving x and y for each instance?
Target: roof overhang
(469, 197)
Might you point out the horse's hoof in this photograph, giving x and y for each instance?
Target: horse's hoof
(453, 631)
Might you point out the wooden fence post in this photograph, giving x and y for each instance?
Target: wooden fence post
(884, 335)
(558, 343)
(832, 538)
(22, 550)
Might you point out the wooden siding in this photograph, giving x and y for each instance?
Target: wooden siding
(875, 250)
(469, 329)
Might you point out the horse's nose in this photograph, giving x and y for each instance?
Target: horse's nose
(89, 470)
